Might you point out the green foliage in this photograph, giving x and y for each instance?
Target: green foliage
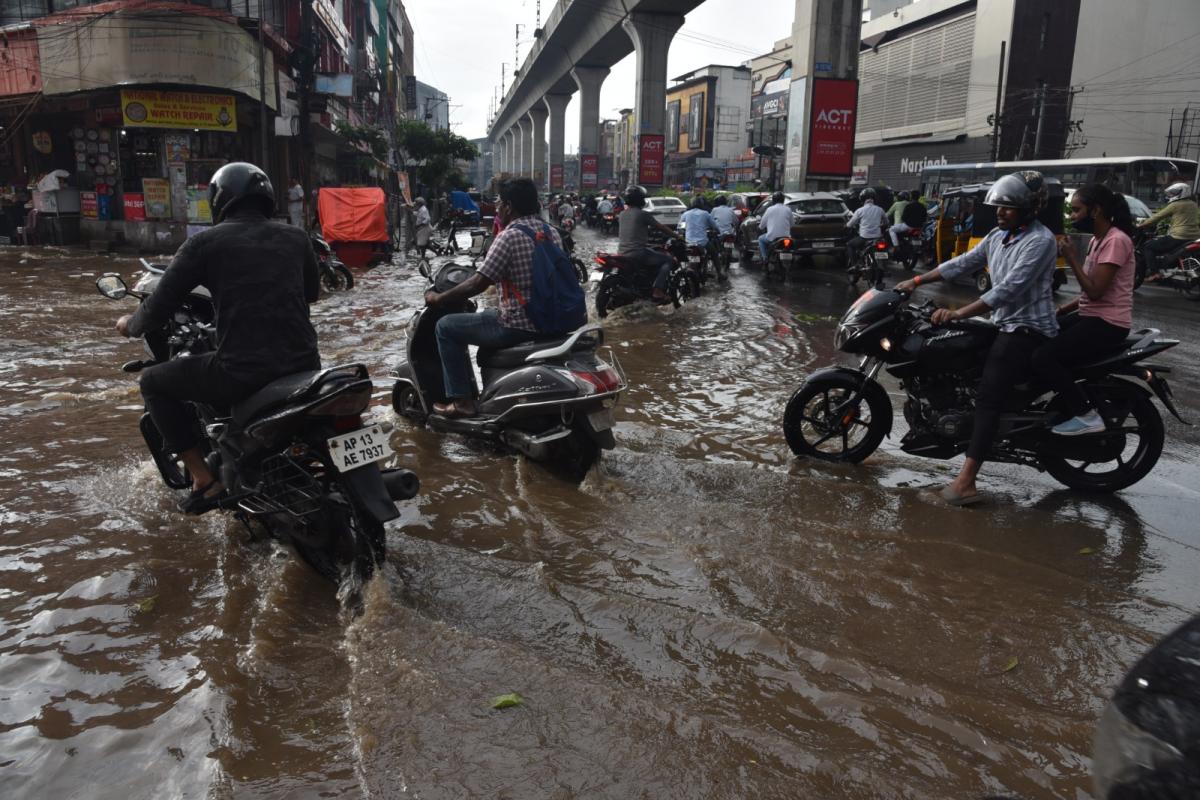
(665, 191)
(369, 135)
(438, 150)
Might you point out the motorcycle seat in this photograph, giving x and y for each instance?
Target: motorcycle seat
(289, 388)
(509, 357)
(1139, 338)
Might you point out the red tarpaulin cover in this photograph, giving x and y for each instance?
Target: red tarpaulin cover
(352, 215)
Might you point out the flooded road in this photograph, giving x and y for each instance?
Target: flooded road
(704, 617)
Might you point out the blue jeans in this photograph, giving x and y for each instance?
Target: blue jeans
(764, 247)
(456, 331)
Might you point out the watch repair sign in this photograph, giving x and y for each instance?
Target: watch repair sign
(831, 127)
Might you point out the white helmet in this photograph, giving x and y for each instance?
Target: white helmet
(1178, 191)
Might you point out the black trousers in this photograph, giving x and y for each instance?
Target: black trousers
(167, 388)
(853, 248)
(1008, 364)
(1080, 339)
(1156, 248)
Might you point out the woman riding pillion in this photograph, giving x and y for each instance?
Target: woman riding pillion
(1020, 253)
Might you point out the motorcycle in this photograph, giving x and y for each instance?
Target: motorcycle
(296, 455)
(779, 258)
(1182, 270)
(842, 414)
(568, 244)
(728, 242)
(869, 264)
(608, 223)
(568, 224)
(335, 276)
(550, 398)
(622, 281)
(908, 251)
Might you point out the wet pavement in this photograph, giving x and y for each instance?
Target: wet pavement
(703, 617)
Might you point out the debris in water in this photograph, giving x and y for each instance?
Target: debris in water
(1011, 665)
(508, 700)
(1086, 551)
(147, 605)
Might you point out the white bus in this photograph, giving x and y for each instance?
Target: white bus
(1143, 177)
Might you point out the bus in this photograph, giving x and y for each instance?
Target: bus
(1143, 177)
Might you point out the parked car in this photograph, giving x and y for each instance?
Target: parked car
(666, 210)
(818, 225)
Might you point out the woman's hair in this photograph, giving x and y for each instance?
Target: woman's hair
(521, 194)
(1111, 204)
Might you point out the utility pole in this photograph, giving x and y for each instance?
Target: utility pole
(265, 160)
(517, 50)
(999, 97)
(306, 69)
(1037, 138)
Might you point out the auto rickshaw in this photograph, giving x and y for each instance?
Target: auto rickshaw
(963, 221)
(354, 222)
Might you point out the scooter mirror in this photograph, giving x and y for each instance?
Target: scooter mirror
(112, 286)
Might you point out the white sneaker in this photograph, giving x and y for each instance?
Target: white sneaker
(1091, 422)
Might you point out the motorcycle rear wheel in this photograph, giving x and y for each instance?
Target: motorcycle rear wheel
(338, 278)
(580, 270)
(815, 426)
(1147, 426)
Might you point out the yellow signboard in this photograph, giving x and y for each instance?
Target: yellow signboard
(150, 109)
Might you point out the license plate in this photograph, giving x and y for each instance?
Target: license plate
(822, 245)
(729, 245)
(600, 420)
(693, 259)
(364, 446)
(596, 276)
(785, 256)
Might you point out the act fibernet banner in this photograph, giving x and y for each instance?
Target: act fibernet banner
(650, 159)
(831, 127)
(143, 108)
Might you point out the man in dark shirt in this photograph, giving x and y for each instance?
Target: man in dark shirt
(262, 275)
(633, 229)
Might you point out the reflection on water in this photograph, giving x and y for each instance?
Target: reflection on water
(703, 617)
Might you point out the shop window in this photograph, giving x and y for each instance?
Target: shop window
(12, 11)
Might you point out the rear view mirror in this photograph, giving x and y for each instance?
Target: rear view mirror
(112, 286)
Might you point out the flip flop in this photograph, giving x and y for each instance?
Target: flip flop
(206, 498)
(958, 500)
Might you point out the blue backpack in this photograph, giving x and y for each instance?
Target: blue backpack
(556, 304)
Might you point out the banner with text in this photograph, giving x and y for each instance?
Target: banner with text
(556, 176)
(650, 159)
(589, 169)
(144, 108)
(831, 127)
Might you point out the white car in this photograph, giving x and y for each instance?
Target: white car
(666, 210)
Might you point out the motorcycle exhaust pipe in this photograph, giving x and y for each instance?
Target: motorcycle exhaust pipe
(402, 484)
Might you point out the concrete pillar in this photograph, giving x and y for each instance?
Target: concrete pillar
(589, 80)
(556, 104)
(498, 155)
(537, 116)
(526, 146)
(651, 35)
(520, 138)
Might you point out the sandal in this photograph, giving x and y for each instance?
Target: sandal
(957, 500)
(206, 498)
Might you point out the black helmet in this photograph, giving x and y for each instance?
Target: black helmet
(635, 195)
(720, 200)
(903, 195)
(1024, 190)
(698, 202)
(237, 182)
(867, 194)
(778, 197)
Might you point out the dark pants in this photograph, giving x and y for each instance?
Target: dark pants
(1154, 249)
(1080, 339)
(655, 259)
(168, 387)
(853, 248)
(1008, 364)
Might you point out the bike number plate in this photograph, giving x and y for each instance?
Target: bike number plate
(364, 446)
(693, 259)
(601, 420)
(596, 275)
(785, 256)
(823, 245)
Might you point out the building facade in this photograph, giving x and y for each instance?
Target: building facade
(623, 149)
(707, 112)
(433, 106)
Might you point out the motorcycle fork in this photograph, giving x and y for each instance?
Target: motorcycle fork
(869, 367)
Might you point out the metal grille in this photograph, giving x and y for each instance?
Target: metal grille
(918, 80)
(287, 488)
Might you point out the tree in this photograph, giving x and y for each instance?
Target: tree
(370, 143)
(435, 153)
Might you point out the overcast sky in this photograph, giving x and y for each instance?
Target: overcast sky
(460, 45)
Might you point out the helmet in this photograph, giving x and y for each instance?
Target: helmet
(1178, 191)
(635, 195)
(237, 182)
(720, 200)
(697, 202)
(903, 195)
(1025, 190)
(418, 202)
(867, 194)
(778, 197)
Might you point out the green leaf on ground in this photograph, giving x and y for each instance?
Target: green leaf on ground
(507, 700)
(147, 605)
(1086, 551)
(1011, 665)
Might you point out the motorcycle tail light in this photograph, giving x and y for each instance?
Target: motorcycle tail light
(881, 245)
(787, 242)
(601, 260)
(604, 379)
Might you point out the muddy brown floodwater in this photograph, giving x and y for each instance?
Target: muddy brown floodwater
(704, 617)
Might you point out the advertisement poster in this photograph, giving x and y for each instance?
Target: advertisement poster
(556, 176)
(146, 108)
(198, 210)
(795, 134)
(88, 206)
(178, 146)
(157, 194)
(650, 159)
(695, 128)
(589, 169)
(135, 207)
(831, 127)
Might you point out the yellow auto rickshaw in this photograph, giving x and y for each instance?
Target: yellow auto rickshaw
(963, 220)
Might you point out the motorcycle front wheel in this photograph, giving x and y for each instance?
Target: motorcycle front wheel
(1117, 458)
(820, 421)
(338, 278)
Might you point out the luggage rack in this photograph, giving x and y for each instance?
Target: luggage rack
(286, 488)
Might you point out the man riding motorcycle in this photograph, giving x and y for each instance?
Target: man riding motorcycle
(262, 275)
(776, 224)
(868, 222)
(697, 222)
(1184, 217)
(725, 217)
(1020, 252)
(633, 231)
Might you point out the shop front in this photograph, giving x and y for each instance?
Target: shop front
(899, 166)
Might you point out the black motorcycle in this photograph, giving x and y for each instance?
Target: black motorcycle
(911, 246)
(623, 281)
(608, 223)
(335, 276)
(550, 398)
(1180, 270)
(296, 455)
(568, 243)
(842, 414)
(869, 263)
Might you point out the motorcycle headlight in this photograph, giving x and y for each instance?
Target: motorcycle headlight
(844, 334)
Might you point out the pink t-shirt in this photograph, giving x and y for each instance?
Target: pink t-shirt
(1116, 305)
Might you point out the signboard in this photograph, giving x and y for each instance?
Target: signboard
(650, 159)
(157, 196)
(341, 85)
(288, 121)
(147, 108)
(125, 50)
(556, 176)
(860, 175)
(831, 127)
(134, 206)
(695, 129)
(770, 105)
(589, 168)
(198, 209)
(178, 147)
(329, 16)
(410, 92)
(795, 134)
(88, 206)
